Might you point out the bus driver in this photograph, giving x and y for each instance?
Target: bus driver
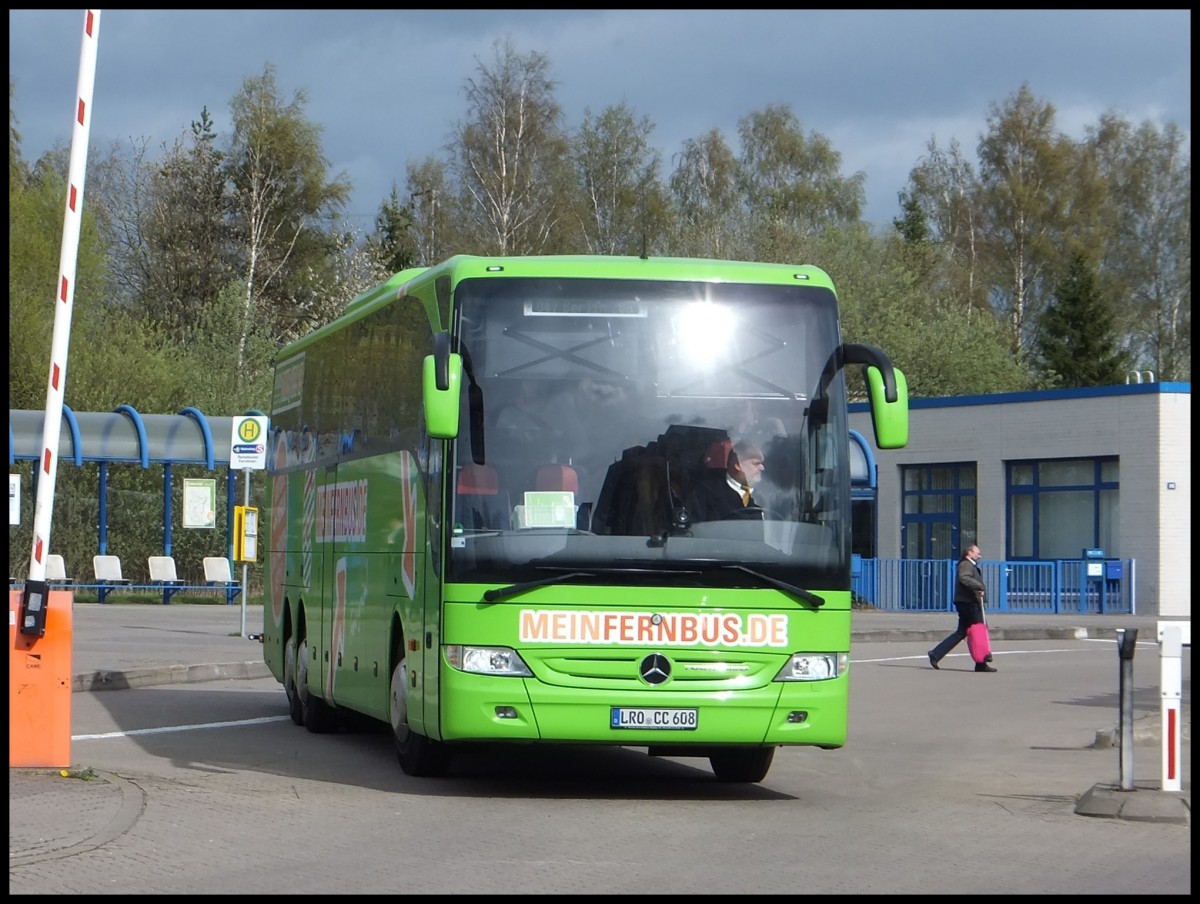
(732, 493)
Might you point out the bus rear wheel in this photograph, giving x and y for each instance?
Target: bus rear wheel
(742, 764)
(289, 681)
(418, 755)
(315, 714)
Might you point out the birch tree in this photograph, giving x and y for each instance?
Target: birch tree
(284, 204)
(508, 154)
(617, 171)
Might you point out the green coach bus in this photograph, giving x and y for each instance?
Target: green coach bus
(481, 526)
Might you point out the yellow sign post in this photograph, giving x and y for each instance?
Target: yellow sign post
(245, 534)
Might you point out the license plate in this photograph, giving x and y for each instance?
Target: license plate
(642, 717)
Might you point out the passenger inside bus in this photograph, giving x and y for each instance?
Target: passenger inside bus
(643, 491)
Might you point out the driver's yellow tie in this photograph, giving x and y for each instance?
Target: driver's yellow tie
(746, 496)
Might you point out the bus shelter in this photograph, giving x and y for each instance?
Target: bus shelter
(125, 436)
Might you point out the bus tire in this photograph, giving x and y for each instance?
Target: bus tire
(741, 764)
(289, 681)
(418, 755)
(317, 715)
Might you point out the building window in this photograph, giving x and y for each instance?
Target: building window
(1058, 508)
(938, 517)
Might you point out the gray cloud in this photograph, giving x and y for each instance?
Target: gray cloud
(386, 86)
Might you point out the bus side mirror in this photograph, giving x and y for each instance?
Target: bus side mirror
(441, 383)
(890, 419)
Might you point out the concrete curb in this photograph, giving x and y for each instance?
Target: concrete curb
(171, 674)
(1142, 803)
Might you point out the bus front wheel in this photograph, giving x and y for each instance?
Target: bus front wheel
(418, 755)
(742, 764)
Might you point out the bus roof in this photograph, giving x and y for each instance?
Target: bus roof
(573, 266)
(629, 267)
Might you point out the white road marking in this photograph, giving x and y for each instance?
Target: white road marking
(171, 729)
(925, 656)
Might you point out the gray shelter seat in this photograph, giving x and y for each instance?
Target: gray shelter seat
(162, 570)
(108, 575)
(56, 569)
(216, 570)
(217, 573)
(108, 570)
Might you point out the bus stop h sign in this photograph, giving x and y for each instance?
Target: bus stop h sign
(248, 447)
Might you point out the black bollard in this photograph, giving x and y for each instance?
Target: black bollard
(1126, 643)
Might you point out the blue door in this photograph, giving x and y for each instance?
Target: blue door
(938, 521)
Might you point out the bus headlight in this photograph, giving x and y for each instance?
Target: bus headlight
(814, 666)
(487, 660)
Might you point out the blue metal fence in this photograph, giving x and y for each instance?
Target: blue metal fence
(1066, 586)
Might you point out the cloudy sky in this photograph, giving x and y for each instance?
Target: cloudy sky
(387, 86)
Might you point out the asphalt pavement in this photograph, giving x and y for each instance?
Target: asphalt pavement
(53, 812)
(122, 646)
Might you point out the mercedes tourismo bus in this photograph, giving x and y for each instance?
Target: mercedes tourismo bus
(479, 528)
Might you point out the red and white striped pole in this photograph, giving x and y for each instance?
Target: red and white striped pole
(33, 600)
(1172, 636)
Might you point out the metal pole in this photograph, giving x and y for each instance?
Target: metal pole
(1126, 643)
(245, 564)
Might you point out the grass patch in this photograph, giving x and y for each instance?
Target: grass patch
(154, 598)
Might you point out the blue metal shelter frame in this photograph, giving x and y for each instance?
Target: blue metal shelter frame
(126, 436)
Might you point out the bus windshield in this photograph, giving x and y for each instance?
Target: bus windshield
(603, 415)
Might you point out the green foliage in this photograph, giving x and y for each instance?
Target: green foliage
(1077, 344)
(912, 225)
(394, 244)
(437, 221)
(36, 209)
(33, 248)
(710, 219)
(193, 270)
(1147, 247)
(944, 345)
(792, 183)
(185, 256)
(623, 207)
(1029, 176)
(282, 206)
(226, 391)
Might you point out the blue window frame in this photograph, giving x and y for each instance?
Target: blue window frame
(1058, 507)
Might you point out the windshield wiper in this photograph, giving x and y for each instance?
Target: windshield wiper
(799, 592)
(499, 593)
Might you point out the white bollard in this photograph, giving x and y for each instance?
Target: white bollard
(1171, 639)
